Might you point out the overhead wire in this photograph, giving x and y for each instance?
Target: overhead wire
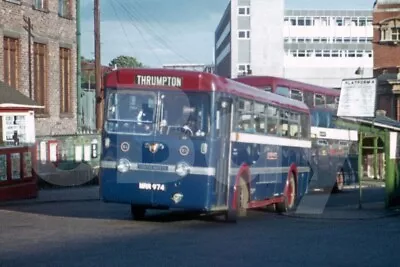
(137, 28)
(135, 15)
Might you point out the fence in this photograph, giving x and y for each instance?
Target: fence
(88, 109)
(68, 160)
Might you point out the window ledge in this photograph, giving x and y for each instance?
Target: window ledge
(66, 115)
(16, 2)
(44, 10)
(42, 115)
(68, 17)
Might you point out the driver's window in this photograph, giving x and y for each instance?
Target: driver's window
(182, 112)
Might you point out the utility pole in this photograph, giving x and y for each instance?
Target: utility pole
(78, 66)
(29, 28)
(99, 97)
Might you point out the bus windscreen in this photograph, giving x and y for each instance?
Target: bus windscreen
(160, 113)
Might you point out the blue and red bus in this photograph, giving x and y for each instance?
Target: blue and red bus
(195, 141)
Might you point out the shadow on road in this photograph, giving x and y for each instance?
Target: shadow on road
(111, 211)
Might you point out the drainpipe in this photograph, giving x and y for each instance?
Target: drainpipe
(78, 66)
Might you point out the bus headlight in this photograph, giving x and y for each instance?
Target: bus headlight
(182, 169)
(107, 142)
(123, 165)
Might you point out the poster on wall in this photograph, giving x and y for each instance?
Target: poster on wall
(27, 165)
(15, 166)
(3, 168)
(13, 124)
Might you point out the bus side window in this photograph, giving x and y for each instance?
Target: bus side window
(245, 120)
(272, 120)
(297, 95)
(283, 129)
(259, 117)
(319, 100)
(330, 100)
(294, 125)
(283, 91)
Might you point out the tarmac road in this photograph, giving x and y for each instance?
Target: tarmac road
(100, 234)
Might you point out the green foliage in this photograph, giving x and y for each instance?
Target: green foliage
(126, 62)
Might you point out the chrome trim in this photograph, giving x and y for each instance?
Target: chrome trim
(134, 166)
(269, 170)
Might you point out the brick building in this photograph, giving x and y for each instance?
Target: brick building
(386, 47)
(52, 82)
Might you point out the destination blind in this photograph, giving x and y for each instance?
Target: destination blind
(150, 80)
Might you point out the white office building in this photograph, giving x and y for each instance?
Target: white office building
(325, 46)
(322, 47)
(245, 38)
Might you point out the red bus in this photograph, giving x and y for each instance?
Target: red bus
(312, 95)
(329, 166)
(189, 140)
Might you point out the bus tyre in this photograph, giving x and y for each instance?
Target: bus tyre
(339, 184)
(289, 202)
(242, 198)
(137, 212)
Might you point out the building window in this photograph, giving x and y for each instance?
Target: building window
(40, 4)
(244, 69)
(11, 61)
(395, 34)
(244, 11)
(40, 75)
(244, 34)
(64, 8)
(65, 80)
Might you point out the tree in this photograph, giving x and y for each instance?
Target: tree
(126, 62)
(87, 76)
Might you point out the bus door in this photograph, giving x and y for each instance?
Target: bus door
(224, 117)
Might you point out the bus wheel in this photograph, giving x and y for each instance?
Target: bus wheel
(242, 198)
(339, 184)
(290, 197)
(138, 212)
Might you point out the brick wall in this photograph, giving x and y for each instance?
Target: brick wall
(386, 56)
(56, 32)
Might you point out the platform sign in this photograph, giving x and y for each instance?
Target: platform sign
(357, 98)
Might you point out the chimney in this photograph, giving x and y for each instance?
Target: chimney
(381, 113)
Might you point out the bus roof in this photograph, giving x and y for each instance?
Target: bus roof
(271, 80)
(186, 80)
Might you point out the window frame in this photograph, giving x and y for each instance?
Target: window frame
(246, 34)
(65, 9)
(44, 5)
(246, 10)
(44, 84)
(65, 80)
(7, 53)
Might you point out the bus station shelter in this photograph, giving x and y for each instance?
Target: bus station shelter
(375, 135)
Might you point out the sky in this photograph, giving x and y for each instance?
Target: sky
(159, 32)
